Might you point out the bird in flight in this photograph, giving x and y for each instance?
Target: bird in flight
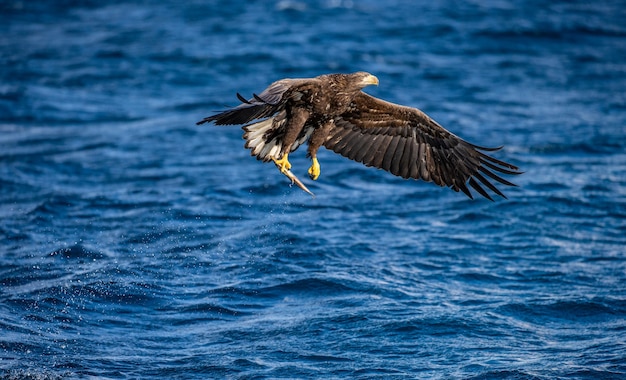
(332, 111)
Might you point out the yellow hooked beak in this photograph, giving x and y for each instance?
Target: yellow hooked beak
(370, 80)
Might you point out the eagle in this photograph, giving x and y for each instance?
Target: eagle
(331, 110)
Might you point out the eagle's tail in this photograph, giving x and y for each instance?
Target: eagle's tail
(265, 138)
(262, 140)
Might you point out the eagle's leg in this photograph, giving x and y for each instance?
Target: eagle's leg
(315, 142)
(295, 125)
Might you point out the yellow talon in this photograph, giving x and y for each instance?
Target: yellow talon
(282, 164)
(314, 170)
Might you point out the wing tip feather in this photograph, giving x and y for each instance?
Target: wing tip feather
(480, 190)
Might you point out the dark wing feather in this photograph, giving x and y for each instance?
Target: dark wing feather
(408, 143)
(259, 106)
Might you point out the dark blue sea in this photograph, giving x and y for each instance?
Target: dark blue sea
(137, 245)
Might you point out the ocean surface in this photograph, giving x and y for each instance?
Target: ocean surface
(137, 245)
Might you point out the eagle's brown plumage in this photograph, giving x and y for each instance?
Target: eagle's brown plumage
(331, 110)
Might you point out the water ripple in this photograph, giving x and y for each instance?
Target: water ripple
(136, 244)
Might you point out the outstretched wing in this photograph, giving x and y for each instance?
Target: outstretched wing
(259, 106)
(406, 142)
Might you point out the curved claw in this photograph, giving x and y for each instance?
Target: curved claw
(283, 164)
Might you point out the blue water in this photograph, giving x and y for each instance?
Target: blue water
(135, 244)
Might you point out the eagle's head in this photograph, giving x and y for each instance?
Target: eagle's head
(363, 79)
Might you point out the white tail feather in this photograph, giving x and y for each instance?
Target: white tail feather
(256, 138)
(255, 135)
